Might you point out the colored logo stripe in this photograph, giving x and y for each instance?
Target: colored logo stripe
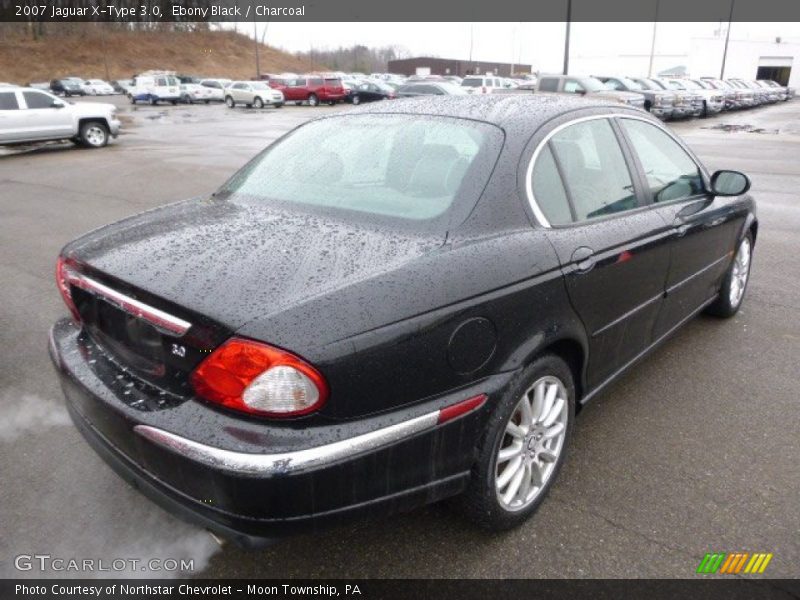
(734, 562)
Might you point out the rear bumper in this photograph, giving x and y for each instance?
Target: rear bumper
(301, 479)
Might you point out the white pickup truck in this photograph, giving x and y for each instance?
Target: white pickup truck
(31, 115)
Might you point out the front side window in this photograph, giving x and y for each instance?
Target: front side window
(400, 168)
(38, 100)
(594, 169)
(671, 172)
(573, 87)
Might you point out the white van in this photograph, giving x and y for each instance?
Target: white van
(481, 84)
(154, 88)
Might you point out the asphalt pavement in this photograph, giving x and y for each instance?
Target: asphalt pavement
(695, 450)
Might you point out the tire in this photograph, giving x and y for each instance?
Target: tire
(153, 101)
(734, 284)
(132, 99)
(229, 102)
(331, 103)
(188, 99)
(207, 101)
(258, 103)
(93, 134)
(704, 114)
(313, 100)
(356, 99)
(279, 105)
(483, 502)
(174, 102)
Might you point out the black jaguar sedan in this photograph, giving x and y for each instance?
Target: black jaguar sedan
(415, 310)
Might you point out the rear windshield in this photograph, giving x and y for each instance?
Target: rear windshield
(407, 169)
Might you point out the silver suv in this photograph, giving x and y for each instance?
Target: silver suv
(30, 115)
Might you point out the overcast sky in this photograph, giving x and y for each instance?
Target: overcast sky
(537, 44)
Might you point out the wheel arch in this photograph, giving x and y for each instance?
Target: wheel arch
(84, 120)
(572, 352)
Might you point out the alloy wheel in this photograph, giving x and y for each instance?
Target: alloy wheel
(532, 443)
(740, 273)
(95, 135)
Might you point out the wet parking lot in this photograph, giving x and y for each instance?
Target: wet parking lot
(695, 450)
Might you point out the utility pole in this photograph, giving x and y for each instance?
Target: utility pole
(255, 41)
(727, 38)
(653, 45)
(566, 38)
(105, 54)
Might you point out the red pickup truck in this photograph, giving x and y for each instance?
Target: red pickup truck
(310, 88)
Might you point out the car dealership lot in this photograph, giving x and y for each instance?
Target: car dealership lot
(694, 451)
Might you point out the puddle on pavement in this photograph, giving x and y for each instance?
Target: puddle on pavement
(737, 128)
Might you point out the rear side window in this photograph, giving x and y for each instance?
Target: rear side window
(548, 84)
(472, 82)
(37, 100)
(8, 101)
(671, 172)
(548, 189)
(315, 81)
(333, 82)
(594, 170)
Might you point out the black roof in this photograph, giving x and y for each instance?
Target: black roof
(514, 112)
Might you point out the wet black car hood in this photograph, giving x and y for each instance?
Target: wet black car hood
(237, 263)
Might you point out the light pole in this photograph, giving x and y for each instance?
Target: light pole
(255, 41)
(727, 38)
(653, 44)
(566, 37)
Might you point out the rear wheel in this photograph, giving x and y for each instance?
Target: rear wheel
(313, 100)
(279, 105)
(258, 103)
(229, 102)
(356, 99)
(94, 134)
(731, 292)
(523, 447)
(132, 99)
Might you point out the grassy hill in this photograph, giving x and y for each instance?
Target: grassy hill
(205, 53)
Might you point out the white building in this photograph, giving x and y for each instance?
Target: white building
(746, 59)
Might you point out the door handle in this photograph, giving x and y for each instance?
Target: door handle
(584, 259)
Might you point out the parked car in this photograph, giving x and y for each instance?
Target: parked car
(682, 104)
(66, 87)
(216, 87)
(322, 338)
(760, 95)
(779, 92)
(370, 91)
(747, 96)
(660, 103)
(694, 98)
(728, 95)
(252, 94)
(481, 84)
(311, 88)
(31, 115)
(788, 91)
(97, 87)
(432, 88)
(586, 86)
(155, 87)
(735, 98)
(192, 91)
(121, 85)
(712, 101)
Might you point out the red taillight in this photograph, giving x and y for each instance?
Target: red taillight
(259, 379)
(62, 281)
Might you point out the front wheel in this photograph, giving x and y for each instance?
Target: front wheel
(523, 447)
(93, 134)
(258, 103)
(229, 102)
(734, 285)
(356, 99)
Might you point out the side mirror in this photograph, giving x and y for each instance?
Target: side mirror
(729, 183)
